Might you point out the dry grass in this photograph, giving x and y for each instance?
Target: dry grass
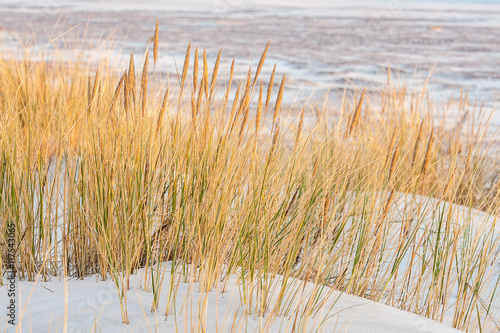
(100, 181)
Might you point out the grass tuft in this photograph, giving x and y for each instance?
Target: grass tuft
(350, 203)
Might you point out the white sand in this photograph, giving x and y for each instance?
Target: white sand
(93, 305)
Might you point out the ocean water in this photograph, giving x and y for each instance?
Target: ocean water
(323, 46)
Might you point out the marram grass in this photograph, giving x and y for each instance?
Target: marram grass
(103, 172)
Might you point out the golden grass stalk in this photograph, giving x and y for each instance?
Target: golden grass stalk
(155, 43)
(117, 92)
(144, 84)
(270, 88)
(261, 63)
(393, 162)
(243, 123)
(233, 115)
(205, 74)
(98, 96)
(163, 108)
(258, 115)
(89, 91)
(131, 77)
(193, 107)
(184, 73)
(92, 90)
(427, 158)
(274, 141)
(96, 81)
(357, 114)
(229, 84)
(245, 100)
(126, 93)
(299, 130)
(195, 69)
(292, 201)
(279, 100)
(215, 72)
(391, 145)
(198, 101)
(417, 143)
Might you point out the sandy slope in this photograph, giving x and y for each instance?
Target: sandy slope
(94, 305)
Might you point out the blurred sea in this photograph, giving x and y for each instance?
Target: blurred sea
(322, 45)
